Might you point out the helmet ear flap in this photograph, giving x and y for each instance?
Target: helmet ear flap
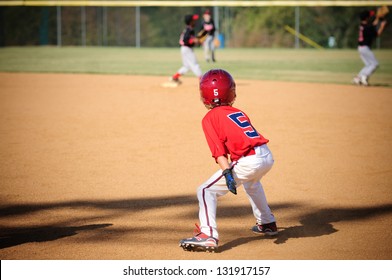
(216, 101)
(234, 94)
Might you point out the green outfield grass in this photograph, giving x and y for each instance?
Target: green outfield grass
(303, 65)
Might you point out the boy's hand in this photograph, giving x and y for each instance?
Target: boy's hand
(230, 182)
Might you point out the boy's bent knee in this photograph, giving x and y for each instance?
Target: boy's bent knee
(200, 191)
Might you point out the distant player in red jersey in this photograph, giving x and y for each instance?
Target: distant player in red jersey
(230, 133)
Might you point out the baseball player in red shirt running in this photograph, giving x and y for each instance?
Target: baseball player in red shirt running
(229, 132)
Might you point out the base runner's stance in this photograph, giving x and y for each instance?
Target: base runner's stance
(229, 132)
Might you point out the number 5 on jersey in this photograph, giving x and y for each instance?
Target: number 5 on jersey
(244, 124)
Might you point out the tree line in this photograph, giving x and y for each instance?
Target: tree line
(161, 26)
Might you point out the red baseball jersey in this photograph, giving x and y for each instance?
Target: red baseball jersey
(229, 132)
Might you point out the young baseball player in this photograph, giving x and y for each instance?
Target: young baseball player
(368, 31)
(187, 41)
(242, 154)
(208, 44)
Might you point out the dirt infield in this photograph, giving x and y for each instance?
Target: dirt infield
(106, 167)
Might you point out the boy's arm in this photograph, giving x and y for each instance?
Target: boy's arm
(219, 153)
(223, 162)
(380, 19)
(381, 27)
(228, 173)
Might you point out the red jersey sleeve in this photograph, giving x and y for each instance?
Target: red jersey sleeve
(216, 144)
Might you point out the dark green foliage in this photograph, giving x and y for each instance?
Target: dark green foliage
(263, 27)
(161, 26)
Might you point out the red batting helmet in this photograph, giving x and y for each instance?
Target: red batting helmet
(217, 88)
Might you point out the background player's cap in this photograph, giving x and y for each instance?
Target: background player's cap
(207, 12)
(189, 18)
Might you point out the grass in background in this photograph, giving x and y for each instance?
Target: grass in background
(302, 65)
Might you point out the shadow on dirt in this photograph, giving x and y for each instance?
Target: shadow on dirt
(319, 222)
(16, 236)
(381, 85)
(136, 204)
(316, 223)
(313, 223)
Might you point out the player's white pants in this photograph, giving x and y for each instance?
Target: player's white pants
(247, 171)
(368, 59)
(189, 62)
(209, 48)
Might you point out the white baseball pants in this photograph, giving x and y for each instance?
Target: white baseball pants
(189, 62)
(247, 171)
(209, 48)
(369, 60)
